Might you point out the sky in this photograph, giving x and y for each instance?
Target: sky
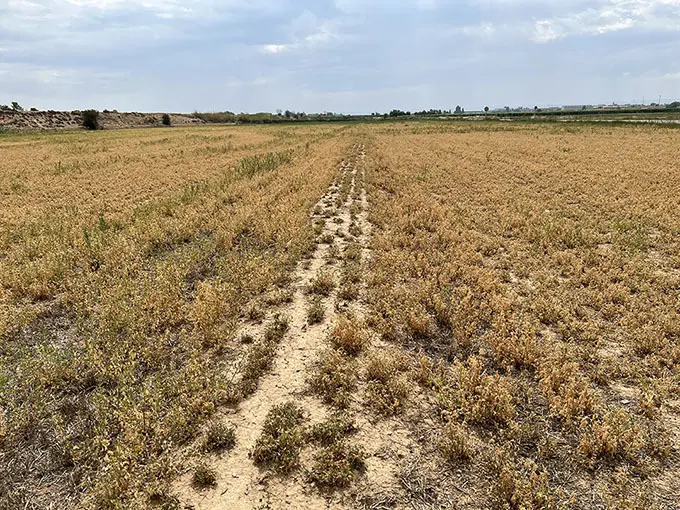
(348, 56)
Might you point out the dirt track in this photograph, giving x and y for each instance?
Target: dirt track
(242, 484)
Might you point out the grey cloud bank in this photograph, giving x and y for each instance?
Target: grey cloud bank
(346, 56)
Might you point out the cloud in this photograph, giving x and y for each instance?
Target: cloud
(341, 55)
(307, 32)
(611, 16)
(275, 48)
(75, 25)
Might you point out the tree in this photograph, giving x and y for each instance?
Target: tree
(166, 119)
(17, 107)
(4, 108)
(674, 104)
(486, 109)
(458, 109)
(91, 120)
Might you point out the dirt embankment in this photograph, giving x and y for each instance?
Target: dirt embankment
(48, 120)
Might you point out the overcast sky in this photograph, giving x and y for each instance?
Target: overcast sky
(351, 56)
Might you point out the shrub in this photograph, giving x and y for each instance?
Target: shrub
(335, 429)
(277, 329)
(349, 292)
(282, 438)
(337, 465)
(259, 358)
(429, 374)
(519, 486)
(386, 386)
(205, 476)
(334, 379)
(419, 324)
(316, 311)
(166, 120)
(568, 392)
(355, 230)
(349, 336)
(352, 252)
(220, 436)
(327, 238)
(455, 443)
(279, 297)
(333, 254)
(91, 119)
(614, 436)
(255, 313)
(480, 398)
(322, 284)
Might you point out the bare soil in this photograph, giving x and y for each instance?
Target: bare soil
(53, 120)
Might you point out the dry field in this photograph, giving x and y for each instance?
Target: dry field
(126, 260)
(420, 315)
(536, 270)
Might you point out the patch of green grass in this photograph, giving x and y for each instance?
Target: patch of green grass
(253, 165)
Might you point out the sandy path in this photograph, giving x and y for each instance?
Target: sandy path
(241, 484)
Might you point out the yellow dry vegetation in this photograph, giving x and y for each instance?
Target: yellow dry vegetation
(126, 260)
(519, 307)
(540, 263)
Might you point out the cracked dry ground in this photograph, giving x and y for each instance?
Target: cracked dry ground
(343, 457)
